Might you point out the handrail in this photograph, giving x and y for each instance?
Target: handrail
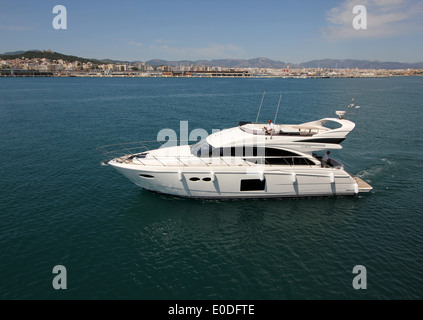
(134, 149)
(186, 160)
(117, 150)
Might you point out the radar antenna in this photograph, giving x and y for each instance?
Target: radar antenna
(344, 114)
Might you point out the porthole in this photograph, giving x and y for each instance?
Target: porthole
(194, 179)
(147, 176)
(207, 179)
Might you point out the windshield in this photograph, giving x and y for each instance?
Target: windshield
(202, 149)
(331, 124)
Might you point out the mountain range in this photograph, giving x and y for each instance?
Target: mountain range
(276, 64)
(361, 64)
(230, 63)
(225, 63)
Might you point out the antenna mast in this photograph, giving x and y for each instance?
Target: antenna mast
(260, 106)
(280, 97)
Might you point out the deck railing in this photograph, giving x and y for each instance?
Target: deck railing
(130, 151)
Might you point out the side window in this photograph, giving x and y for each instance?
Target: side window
(253, 185)
(271, 155)
(303, 162)
(279, 157)
(284, 157)
(270, 152)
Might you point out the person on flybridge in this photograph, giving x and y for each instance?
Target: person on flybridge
(269, 128)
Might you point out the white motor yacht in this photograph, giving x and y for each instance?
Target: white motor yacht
(244, 162)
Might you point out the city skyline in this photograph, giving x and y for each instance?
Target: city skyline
(192, 30)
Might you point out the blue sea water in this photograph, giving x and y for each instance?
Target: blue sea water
(59, 206)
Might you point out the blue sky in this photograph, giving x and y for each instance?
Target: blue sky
(290, 31)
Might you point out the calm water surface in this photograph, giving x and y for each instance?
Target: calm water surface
(58, 206)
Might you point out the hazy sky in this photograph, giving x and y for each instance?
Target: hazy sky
(291, 31)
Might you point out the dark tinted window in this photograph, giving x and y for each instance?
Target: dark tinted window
(272, 156)
(303, 162)
(270, 152)
(253, 185)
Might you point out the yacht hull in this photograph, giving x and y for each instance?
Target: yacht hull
(231, 183)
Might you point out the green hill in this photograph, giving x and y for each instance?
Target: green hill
(48, 55)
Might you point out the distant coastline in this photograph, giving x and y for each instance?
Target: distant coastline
(46, 63)
(268, 73)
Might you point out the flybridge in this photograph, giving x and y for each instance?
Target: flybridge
(305, 129)
(310, 136)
